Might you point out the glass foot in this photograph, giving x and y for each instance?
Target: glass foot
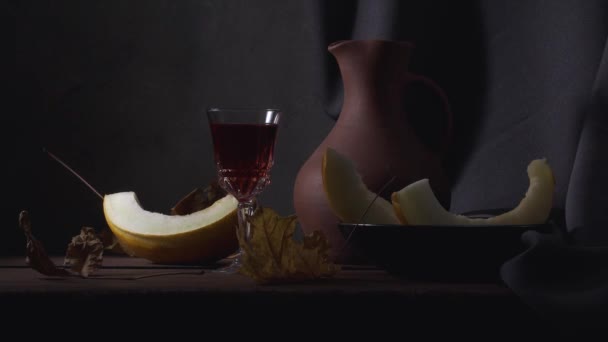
(234, 267)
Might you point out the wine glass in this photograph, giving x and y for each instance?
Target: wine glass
(243, 146)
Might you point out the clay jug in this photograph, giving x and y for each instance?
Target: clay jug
(374, 131)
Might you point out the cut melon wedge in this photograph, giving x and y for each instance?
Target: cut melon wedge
(203, 236)
(348, 196)
(416, 204)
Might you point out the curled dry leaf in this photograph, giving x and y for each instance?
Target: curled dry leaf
(199, 199)
(36, 256)
(273, 256)
(85, 252)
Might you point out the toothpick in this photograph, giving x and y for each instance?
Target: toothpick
(72, 171)
(365, 213)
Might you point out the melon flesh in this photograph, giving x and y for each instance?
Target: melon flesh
(203, 236)
(416, 204)
(348, 196)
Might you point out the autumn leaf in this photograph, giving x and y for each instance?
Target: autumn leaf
(273, 256)
(36, 256)
(199, 199)
(85, 252)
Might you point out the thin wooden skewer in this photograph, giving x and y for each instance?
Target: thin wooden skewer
(73, 172)
(365, 213)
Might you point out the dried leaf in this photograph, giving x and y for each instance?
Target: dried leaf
(199, 199)
(85, 252)
(273, 256)
(36, 256)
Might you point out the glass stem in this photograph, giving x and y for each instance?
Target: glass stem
(246, 209)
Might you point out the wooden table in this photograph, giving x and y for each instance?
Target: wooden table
(356, 294)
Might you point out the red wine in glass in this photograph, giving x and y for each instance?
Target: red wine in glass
(243, 146)
(244, 156)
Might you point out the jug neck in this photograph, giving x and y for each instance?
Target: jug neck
(373, 71)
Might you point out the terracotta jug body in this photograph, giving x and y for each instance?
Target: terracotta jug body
(372, 130)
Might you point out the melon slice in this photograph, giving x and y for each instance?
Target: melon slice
(348, 196)
(416, 204)
(203, 236)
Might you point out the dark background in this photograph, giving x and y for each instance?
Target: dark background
(118, 89)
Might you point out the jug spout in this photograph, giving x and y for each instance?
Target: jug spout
(395, 53)
(407, 46)
(372, 70)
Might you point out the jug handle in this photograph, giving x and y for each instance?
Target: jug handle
(446, 105)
